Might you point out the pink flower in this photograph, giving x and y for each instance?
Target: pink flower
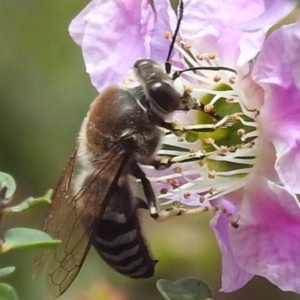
(252, 169)
(267, 241)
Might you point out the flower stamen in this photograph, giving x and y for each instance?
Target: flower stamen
(216, 151)
(187, 46)
(212, 56)
(241, 132)
(208, 107)
(212, 174)
(199, 56)
(168, 35)
(164, 191)
(217, 78)
(177, 170)
(232, 79)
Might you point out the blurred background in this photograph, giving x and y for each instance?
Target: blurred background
(44, 96)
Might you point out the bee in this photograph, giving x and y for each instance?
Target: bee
(97, 207)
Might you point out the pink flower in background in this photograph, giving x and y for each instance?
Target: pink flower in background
(252, 171)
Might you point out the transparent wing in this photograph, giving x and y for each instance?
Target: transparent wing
(72, 219)
(59, 199)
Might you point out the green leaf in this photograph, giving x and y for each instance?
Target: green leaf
(29, 204)
(16, 238)
(6, 271)
(9, 182)
(184, 289)
(7, 292)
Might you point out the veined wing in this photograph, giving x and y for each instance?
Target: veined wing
(72, 219)
(59, 199)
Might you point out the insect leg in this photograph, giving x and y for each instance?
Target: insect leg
(179, 211)
(140, 203)
(200, 127)
(180, 129)
(138, 173)
(166, 162)
(175, 210)
(182, 211)
(151, 199)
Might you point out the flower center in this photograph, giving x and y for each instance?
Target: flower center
(230, 149)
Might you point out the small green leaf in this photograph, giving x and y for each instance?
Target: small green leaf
(28, 204)
(9, 182)
(7, 292)
(16, 238)
(6, 271)
(184, 289)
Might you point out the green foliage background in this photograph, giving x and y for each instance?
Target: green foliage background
(44, 95)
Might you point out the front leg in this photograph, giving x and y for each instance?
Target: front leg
(180, 129)
(166, 162)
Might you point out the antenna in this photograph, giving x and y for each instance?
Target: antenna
(168, 64)
(178, 73)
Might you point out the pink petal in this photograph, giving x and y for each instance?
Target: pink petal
(280, 120)
(267, 241)
(165, 15)
(77, 26)
(274, 65)
(294, 42)
(288, 165)
(250, 44)
(233, 276)
(280, 113)
(275, 11)
(113, 34)
(207, 21)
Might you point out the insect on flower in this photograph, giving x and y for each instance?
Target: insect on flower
(98, 207)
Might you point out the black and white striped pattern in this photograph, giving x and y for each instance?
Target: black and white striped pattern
(119, 240)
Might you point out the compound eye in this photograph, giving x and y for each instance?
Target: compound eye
(143, 62)
(163, 96)
(147, 70)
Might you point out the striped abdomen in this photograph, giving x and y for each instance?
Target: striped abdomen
(118, 238)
